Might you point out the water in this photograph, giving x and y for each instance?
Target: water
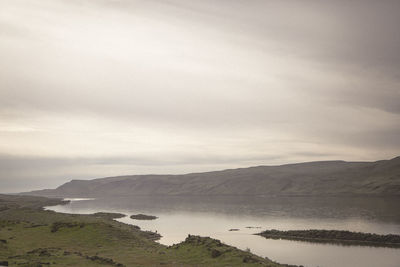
(215, 216)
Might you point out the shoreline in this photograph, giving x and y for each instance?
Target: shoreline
(275, 234)
(103, 214)
(33, 236)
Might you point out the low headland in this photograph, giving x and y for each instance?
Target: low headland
(31, 236)
(335, 237)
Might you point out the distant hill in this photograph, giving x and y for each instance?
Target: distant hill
(305, 179)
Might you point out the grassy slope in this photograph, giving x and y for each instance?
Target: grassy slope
(27, 239)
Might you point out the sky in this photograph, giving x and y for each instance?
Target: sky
(96, 88)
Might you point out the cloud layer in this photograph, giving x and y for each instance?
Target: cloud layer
(96, 88)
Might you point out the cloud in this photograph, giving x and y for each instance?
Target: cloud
(187, 86)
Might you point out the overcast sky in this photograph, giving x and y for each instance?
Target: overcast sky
(94, 88)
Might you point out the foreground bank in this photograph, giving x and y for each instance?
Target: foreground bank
(31, 236)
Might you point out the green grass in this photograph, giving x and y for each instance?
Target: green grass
(30, 236)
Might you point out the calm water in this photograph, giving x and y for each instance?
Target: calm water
(214, 216)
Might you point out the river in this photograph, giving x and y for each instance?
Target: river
(216, 216)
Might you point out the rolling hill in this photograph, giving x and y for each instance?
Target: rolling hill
(381, 178)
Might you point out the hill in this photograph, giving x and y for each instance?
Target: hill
(381, 178)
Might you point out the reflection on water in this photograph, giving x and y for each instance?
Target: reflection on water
(214, 216)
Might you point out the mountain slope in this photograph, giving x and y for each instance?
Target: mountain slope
(312, 178)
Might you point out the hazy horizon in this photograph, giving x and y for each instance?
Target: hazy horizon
(102, 88)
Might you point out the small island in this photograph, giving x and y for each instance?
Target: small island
(109, 215)
(143, 217)
(335, 237)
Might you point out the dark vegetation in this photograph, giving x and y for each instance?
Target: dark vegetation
(217, 250)
(31, 236)
(327, 178)
(335, 236)
(58, 225)
(143, 217)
